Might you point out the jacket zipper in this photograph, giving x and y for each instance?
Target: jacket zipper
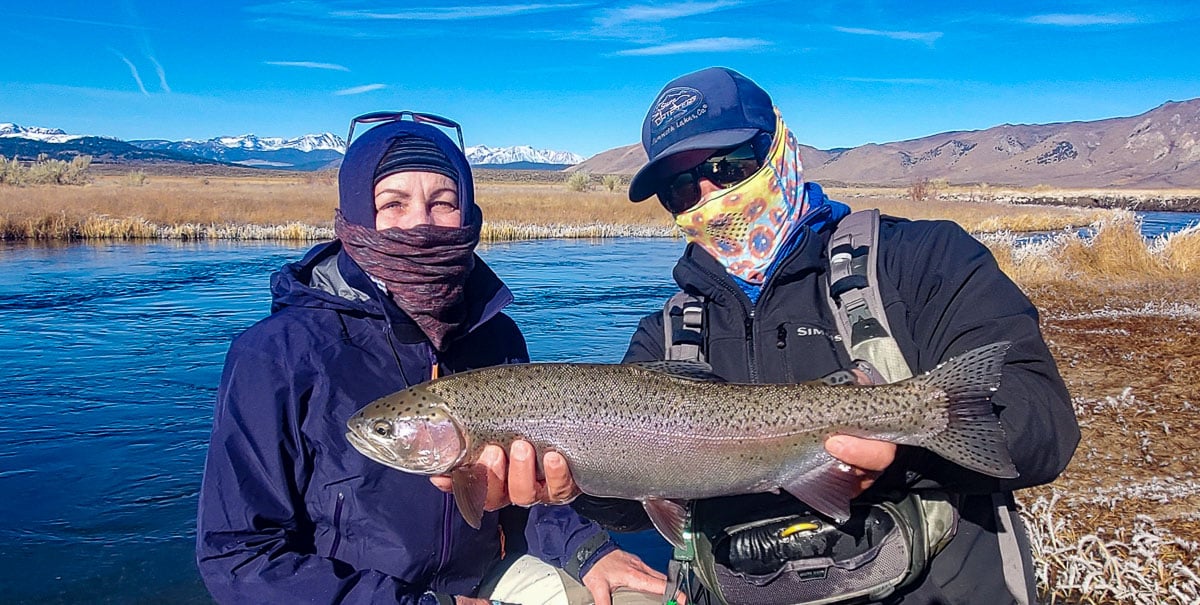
(750, 356)
(447, 505)
(447, 511)
(337, 524)
(748, 311)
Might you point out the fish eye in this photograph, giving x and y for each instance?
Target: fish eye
(382, 428)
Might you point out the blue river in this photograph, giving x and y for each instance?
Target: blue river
(109, 360)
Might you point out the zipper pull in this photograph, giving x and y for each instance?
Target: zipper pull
(781, 335)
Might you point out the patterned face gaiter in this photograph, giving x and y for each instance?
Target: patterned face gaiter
(746, 225)
(424, 269)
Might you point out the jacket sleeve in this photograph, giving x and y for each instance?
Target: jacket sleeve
(957, 299)
(561, 537)
(254, 542)
(613, 513)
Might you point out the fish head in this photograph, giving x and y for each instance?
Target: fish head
(411, 430)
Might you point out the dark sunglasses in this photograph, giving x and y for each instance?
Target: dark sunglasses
(394, 116)
(724, 169)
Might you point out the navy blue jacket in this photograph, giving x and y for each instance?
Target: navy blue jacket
(943, 294)
(290, 512)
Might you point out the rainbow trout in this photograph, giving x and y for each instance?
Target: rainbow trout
(667, 432)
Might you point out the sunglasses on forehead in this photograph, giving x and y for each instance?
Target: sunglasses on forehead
(724, 169)
(395, 116)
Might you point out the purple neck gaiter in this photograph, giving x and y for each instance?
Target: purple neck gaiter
(424, 269)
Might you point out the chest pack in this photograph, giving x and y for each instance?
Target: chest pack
(770, 549)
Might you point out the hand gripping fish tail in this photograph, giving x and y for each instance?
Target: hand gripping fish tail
(973, 437)
(947, 411)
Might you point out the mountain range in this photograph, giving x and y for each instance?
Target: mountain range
(308, 152)
(1157, 149)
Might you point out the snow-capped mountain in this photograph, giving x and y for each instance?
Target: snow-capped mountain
(306, 143)
(484, 155)
(34, 133)
(307, 152)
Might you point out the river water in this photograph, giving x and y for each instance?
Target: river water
(109, 360)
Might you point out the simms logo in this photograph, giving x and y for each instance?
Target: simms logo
(803, 331)
(674, 102)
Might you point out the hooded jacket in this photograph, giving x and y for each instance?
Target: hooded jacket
(289, 511)
(943, 294)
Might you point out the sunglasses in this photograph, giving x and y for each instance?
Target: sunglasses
(394, 116)
(724, 169)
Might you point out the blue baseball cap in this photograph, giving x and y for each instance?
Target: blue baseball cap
(695, 115)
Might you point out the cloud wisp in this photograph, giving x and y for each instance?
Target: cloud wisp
(309, 65)
(702, 45)
(133, 70)
(132, 16)
(162, 74)
(926, 37)
(1080, 20)
(660, 12)
(358, 90)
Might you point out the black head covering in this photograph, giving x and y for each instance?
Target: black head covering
(414, 154)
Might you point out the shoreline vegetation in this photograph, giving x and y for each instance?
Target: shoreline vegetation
(1119, 312)
(299, 207)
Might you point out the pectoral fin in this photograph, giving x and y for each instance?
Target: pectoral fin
(827, 489)
(470, 492)
(670, 518)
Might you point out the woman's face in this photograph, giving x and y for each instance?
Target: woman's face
(408, 199)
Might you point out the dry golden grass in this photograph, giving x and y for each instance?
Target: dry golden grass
(163, 205)
(553, 204)
(975, 215)
(1117, 251)
(166, 200)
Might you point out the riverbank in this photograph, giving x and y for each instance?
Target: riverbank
(290, 206)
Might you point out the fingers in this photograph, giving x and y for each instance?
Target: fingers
(560, 486)
(866, 458)
(523, 486)
(866, 454)
(442, 482)
(601, 593)
(513, 479)
(620, 569)
(494, 460)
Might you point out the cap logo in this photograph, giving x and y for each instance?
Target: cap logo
(675, 107)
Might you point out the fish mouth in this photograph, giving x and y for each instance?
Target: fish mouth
(374, 451)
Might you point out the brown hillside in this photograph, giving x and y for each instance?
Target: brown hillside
(1157, 149)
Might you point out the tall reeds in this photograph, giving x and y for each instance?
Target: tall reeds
(1116, 251)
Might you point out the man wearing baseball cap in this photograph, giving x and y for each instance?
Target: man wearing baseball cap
(725, 165)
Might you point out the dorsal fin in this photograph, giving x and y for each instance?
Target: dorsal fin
(690, 370)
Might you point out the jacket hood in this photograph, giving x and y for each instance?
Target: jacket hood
(327, 278)
(356, 177)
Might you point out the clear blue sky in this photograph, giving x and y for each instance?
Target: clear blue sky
(578, 76)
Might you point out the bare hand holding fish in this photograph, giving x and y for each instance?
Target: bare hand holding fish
(628, 429)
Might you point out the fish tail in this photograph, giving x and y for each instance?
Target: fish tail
(973, 437)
